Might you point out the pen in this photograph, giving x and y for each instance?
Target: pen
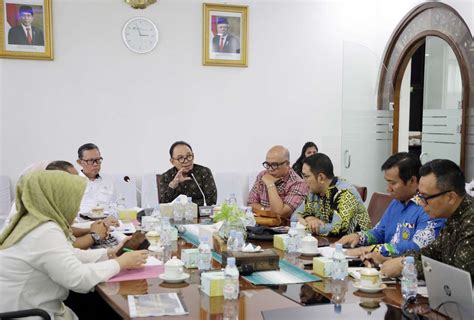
(363, 260)
(128, 250)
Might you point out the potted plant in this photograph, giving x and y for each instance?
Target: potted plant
(232, 217)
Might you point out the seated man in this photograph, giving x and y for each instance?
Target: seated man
(278, 188)
(100, 191)
(98, 231)
(404, 225)
(187, 178)
(442, 195)
(333, 206)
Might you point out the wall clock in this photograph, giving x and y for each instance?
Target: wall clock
(140, 35)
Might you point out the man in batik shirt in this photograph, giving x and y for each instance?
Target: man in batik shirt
(442, 195)
(404, 225)
(333, 206)
(187, 178)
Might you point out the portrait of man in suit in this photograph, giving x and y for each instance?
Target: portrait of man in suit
(25, 33)
(224, 41)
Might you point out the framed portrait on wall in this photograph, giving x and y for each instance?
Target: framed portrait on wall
(25, 29)
(224, 35)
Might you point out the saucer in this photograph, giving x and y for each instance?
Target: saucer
(168, 279)
(308, 254)
(369, 290)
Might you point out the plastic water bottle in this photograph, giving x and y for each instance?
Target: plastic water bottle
(205, 255)
(231, 240)
(231, 280)
(409, 279)
(189, 211)
(156, 212)
(239, 242)
(178, 212)
(249, 218)
(292, 244)
(165, 238)
(232, 199)
(340, 265)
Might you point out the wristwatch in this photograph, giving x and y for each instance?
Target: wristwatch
(95, 237)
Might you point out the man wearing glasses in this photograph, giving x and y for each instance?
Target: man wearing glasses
(442, 194)
(100, 191)
(404, 225)
(187, 178)
(278, 188)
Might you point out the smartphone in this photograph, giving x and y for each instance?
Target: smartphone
(137, 242)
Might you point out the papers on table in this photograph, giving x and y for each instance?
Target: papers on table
(156, 305)
(152, 269)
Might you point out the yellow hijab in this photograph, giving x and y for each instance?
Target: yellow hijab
(44, 196)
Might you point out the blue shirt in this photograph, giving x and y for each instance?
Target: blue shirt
(403, 227)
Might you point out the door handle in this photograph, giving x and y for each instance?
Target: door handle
(347, 159)
(423, 154)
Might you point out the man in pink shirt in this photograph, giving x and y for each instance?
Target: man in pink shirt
(278, 188)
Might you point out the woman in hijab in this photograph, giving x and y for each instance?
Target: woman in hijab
(39, 265)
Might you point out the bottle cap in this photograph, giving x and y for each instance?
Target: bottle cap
(231, 261)
(293, 224)
(338, 246)
(410, 259)
(232, 233)
(204, 238)
(190, 199)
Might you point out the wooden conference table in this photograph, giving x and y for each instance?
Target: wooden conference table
(255, 299)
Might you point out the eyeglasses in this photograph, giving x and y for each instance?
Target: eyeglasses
(183, 159)
(423, 199)
(93, 161)
(273, 165)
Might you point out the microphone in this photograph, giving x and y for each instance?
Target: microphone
(203, 196)
(205, 210)
(127, 179)
(140, 213)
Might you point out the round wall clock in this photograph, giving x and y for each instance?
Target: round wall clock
(140, 35)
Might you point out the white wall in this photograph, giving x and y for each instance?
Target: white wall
(134, 106)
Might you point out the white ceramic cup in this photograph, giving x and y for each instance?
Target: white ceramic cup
(309, 244)
(370, 278)
(153, 237)
(174, 268)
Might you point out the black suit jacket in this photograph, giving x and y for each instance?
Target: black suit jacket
(231, 44)
(16, 35)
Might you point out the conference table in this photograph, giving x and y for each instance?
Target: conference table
(327, 298)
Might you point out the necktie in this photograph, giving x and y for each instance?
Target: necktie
(28, 35)
(221, 43)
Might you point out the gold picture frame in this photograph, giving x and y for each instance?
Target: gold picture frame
(225, 35)
(26, 29)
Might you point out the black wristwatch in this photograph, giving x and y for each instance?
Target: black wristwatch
(95, 237)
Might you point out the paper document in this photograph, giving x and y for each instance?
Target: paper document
(156, 305)
(152, 269)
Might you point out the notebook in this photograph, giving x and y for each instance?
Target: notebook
(449, 289)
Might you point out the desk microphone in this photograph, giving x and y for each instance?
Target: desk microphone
(140, 213)
(205, 210)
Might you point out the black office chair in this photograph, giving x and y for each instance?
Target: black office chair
(25, 313)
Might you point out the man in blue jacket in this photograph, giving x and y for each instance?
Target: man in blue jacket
(404, 225)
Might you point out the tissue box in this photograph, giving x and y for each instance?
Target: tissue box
(127, 214)
(212, 283)
(190, 257)
(322, 266)
(211, 305)
(279, 241)
(166, 210)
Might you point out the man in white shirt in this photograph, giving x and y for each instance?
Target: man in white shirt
(100, 191)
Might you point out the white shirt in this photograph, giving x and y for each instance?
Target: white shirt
(40, 269)
(100, 191)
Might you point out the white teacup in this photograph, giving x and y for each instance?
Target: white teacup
(370, 278)
(97, 211)
(174, 268)
(153, 237)
(309, 244)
